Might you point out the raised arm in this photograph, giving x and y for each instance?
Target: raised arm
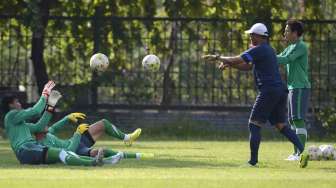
(38, 108)
(74, 142)
(58, 125)
(71, 118)
(75, 139)
(292, 55)
(235, 62)
(41, 124)
(29, 113)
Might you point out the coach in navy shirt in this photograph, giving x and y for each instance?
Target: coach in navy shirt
(270, 104)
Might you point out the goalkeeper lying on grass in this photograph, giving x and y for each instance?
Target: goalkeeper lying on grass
(86, 136)
(18, 130)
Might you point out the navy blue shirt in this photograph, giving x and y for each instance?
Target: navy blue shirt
(265, 66)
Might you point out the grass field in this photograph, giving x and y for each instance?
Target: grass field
(178, 164)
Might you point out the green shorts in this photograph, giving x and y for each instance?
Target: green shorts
(298, 102)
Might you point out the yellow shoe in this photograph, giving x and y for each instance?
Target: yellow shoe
(144, 156)
(133, 136)
(304, 157)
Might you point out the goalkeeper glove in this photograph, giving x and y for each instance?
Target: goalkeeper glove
(82, 128)
(76, 117)
(47, 88)
(52, 100)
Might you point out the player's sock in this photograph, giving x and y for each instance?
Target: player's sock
(144, 156)
(255, 138)
(112, 130)
(301, 131)
(290, 134)
(70, 158)
(53, 155)
(294, 129)
(109, 152)
(126, 155)
(58, 155)
(113, 159)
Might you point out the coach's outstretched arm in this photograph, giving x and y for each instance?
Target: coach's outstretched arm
(235, 62)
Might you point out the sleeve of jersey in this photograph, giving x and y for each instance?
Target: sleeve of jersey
(74, 142)
(41, 124)
(248, 55)
(28, 113)
(292, 55)
(58, 125)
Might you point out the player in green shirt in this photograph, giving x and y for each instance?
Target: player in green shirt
(82, 144)
(18, 130)
(295, 57)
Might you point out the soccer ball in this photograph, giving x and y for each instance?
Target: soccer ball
(99, 62)
(314, 153)
(327, 151)
(151, 62)
(334, 154)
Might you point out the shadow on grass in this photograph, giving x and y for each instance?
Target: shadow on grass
(9, 161)
(135, 164)
(174, 163)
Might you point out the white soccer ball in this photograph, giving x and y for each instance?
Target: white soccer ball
(314, 153)
(327, 151)
(151, 62)
(319, 154)
(99, 62)
(334, 155)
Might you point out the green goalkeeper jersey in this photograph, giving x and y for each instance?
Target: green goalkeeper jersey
(19, 131)
(295, 57)
(51, 140)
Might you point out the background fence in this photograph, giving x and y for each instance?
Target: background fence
(184, 80)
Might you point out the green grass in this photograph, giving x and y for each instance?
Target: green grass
(178, 164)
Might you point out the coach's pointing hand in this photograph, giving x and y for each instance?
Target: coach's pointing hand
(210, 58)
(223, 66)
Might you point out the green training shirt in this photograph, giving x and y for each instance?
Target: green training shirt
(295, 57)
(51, 140)
(18, 130)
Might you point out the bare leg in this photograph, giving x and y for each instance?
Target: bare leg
(104, 126)
(96, 130)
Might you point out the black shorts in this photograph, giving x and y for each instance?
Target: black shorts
(270, 106)
(32, 153)
(85, 144)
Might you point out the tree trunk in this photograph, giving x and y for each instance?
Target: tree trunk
(168, 84)
(39, 25)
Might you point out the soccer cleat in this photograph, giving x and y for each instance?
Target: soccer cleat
(114, 159)
(304, 157)
(144, 156)
(99, 157)
(293, 157)
(133, 136)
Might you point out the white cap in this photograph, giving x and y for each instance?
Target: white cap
(259, 29)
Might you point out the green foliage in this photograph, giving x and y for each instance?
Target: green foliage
(328, 118)
(95, 26)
